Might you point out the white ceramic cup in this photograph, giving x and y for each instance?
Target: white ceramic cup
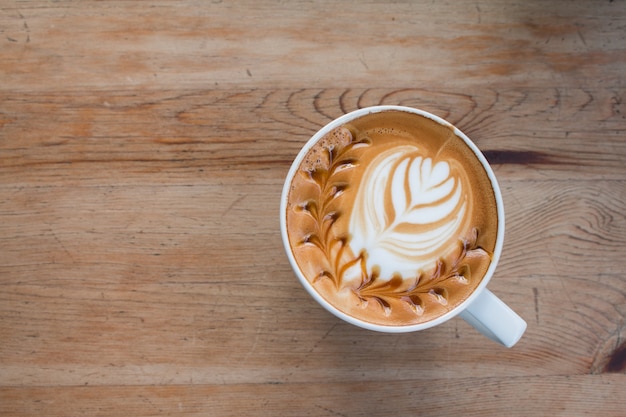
(482, 309)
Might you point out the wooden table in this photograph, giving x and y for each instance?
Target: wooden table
(143, 146)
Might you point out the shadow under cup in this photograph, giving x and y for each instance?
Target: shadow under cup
(393, 221)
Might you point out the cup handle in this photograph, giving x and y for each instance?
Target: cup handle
(490, 316)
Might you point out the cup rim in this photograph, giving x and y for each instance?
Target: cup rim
(309, 287)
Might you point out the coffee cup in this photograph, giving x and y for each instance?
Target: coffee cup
(393, 221)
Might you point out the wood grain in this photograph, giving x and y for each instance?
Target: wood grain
(565, 396)
(327, 43)
(143, 148)
(240, 129)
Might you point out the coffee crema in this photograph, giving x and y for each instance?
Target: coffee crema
(392, 218)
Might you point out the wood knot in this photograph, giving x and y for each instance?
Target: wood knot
(617, 360)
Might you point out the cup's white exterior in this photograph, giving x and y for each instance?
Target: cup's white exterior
(481, 309)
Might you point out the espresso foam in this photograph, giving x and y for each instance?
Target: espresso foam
(392, 218)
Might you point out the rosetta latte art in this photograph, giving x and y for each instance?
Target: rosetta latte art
(407, 208)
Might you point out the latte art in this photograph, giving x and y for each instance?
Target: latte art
(407, 208)
(391, 218)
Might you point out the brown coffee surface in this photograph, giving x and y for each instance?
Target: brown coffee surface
(392, 218)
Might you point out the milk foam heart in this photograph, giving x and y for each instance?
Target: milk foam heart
(406, 209)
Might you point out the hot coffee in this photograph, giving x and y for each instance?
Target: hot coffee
(392, 218)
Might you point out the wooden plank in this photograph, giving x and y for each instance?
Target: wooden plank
(85, 278)
(328, 43)
(184, 136)
(569, 396)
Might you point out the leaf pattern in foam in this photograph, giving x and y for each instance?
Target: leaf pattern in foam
(407, 207)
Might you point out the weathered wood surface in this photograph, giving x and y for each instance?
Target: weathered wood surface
(143, 147)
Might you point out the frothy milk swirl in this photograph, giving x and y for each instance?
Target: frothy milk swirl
(407, 208)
